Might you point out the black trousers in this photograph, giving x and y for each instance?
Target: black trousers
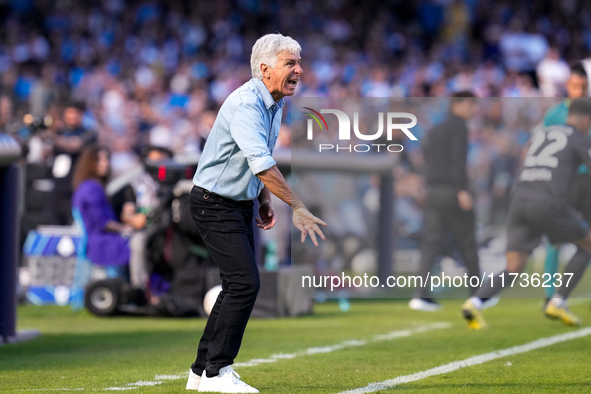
(227, 231)
(443, 217)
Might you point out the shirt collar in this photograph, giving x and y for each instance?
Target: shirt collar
(266, 95)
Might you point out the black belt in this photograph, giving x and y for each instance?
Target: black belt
(207, 195)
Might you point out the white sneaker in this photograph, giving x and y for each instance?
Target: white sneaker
(419, 304)
(226, 382)
(194, 381)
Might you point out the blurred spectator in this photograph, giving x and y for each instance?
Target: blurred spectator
(553, 73)
(152, 70)
(521, 50)
(108, 238)
(67, 145)
(106, 245)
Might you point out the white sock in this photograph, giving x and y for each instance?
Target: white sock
(477, 302)
(558, 301)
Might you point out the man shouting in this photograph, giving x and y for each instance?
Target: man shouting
(235, 168)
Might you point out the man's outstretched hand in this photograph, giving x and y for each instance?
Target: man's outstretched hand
(302, 218)
(308, 224)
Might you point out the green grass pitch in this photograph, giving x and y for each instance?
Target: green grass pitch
(83, 352)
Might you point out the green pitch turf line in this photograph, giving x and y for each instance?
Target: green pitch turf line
(480, 359)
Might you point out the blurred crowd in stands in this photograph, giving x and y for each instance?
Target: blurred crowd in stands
(150, 72)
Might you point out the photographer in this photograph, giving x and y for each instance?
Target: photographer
(134, 205)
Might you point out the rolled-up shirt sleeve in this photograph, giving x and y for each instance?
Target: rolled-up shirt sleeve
(248, 130)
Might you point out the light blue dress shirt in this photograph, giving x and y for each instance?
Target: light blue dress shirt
(240, 143)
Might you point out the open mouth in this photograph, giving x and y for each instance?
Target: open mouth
(292, 83)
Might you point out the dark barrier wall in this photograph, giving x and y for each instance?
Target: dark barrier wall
(9, 230)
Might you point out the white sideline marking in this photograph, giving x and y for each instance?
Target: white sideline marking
(313, 350)
(345, 344)
(144, 383)
(475, 360)
(170, 377)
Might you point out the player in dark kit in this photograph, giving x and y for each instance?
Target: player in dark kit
(580, 195)
(539, 206)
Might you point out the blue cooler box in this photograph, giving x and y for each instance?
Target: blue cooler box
(50, 253)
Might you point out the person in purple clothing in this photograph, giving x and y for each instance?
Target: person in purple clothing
(108, 238)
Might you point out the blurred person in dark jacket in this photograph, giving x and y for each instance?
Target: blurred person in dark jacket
(449, 204)
(67, 146)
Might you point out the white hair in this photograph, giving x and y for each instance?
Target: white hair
(266, 50)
